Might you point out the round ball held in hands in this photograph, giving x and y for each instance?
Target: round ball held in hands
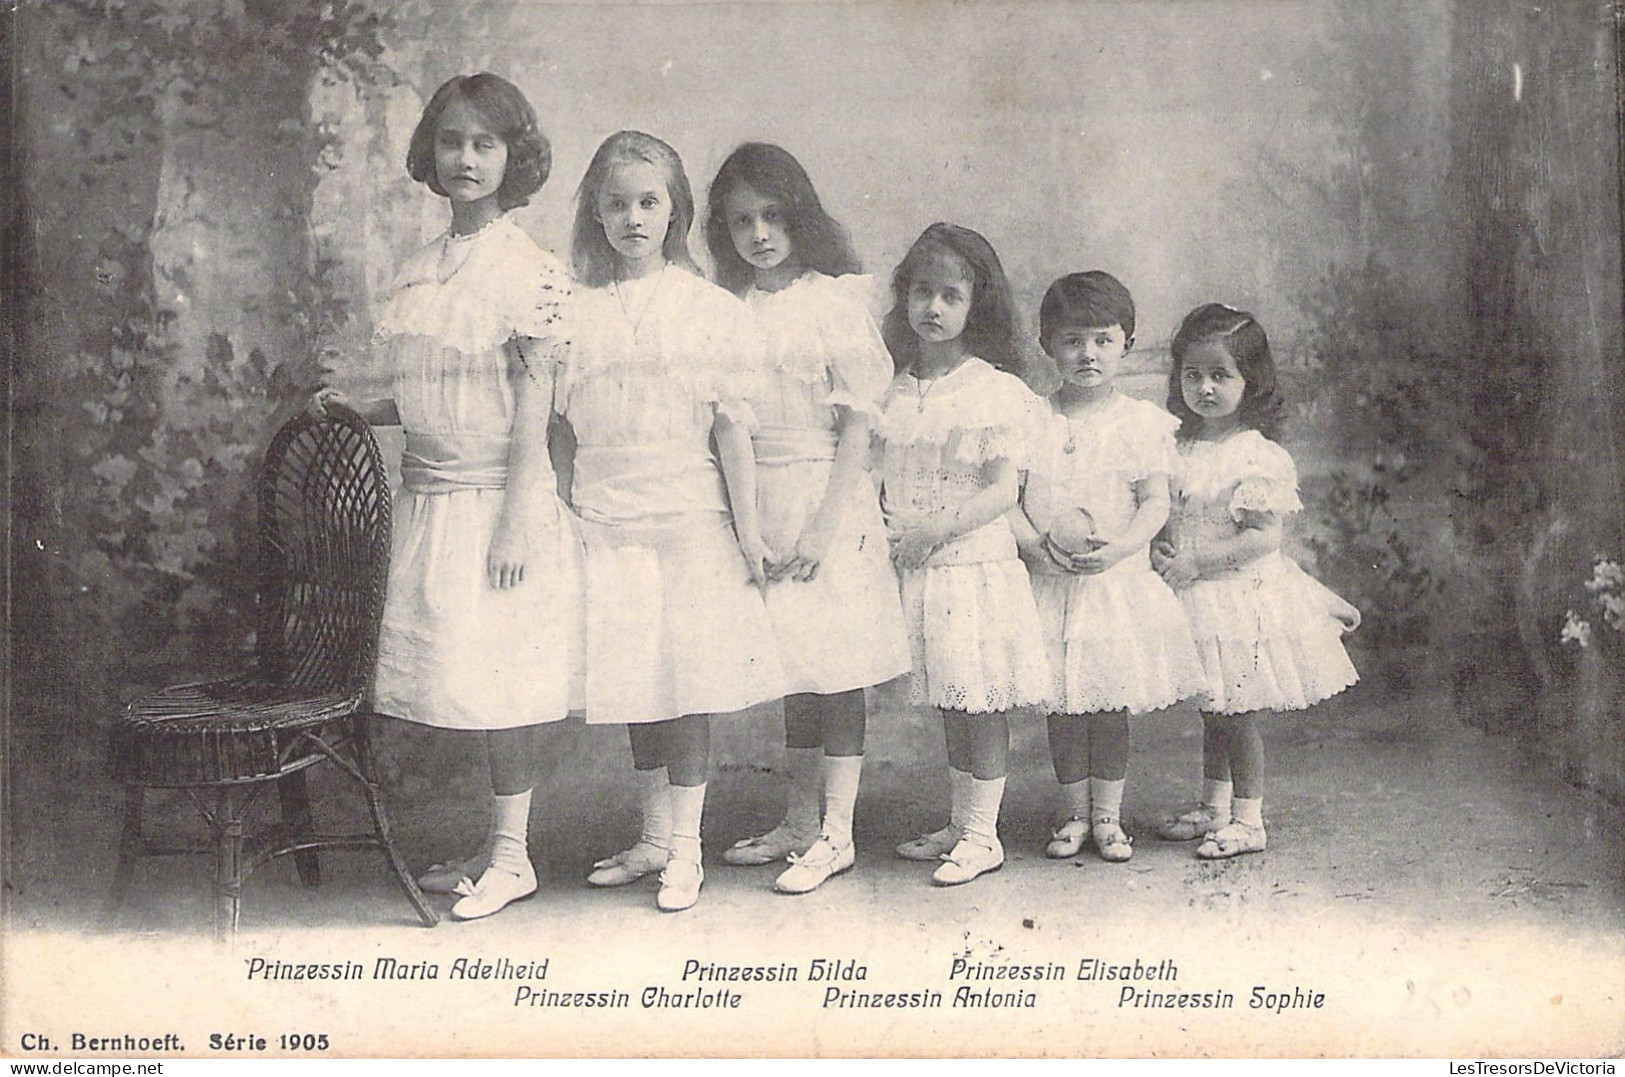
(1073, 534)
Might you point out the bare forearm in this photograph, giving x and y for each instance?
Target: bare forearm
(851, 453)
(1240, 549)
(528, 460)
(738, 462)
(1151, 516)
(986, 505)
(1021, 525)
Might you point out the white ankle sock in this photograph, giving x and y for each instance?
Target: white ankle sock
(982, 808)
(1076, 795)
(841, 774)
(805, 806)
(1108, 798)
(687, 807)
(509, 849)
(1249, 810)
(654, 799)
(1216, 796)
(959, 782)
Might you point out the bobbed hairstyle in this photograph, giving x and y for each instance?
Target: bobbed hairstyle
(990, 325)
(1092, 300)
(1238, 331)
(591, 253)
(817, 240)
(504, 107)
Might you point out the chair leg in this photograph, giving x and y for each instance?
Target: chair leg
(294, 795)
(380, 822)
(130, 846)
(227, 825)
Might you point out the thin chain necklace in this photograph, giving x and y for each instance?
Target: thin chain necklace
(447, 267)
(654, 292)
(923, 386)
(1089, 414)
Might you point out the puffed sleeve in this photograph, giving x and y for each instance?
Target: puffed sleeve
(860, 366)
(1151, 441)
(992, 419)
(736, 351)
(1269, 480)
(540, 307)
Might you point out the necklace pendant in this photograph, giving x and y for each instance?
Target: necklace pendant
(923, 388)
(626, 312)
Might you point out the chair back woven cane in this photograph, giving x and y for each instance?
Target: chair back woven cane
(324, 553)
(322, 570)
(323, 563)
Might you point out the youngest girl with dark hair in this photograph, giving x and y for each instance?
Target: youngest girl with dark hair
(1268, 635)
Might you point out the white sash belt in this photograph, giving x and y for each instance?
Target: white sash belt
(779, 446)
(431, 464)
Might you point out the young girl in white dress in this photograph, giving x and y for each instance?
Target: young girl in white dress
(1269, 635)
(1095, 497)
(832, 594)
(481, 627)
(954, 427)
(676, 629)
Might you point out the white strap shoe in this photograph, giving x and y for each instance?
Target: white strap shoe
(679, 885)
(495, 891)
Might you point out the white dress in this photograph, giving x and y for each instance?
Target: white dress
(1270, 637)
(674, 624)
(455, 652)
(844, 628)
(973, 629)
(1117, 640)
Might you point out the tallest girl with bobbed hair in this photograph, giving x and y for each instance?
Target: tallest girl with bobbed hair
(511, 118)
(481, 627)
(659, 367)
(832, 595)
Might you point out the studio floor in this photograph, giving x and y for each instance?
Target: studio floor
(1444, 892)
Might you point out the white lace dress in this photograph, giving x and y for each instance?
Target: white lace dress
(844, 628)
(973, 629)
(674, 624)
(455, 652)
(1117, 640)
(1270, 637)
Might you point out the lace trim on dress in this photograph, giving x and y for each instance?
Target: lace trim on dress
(1132, 441)
(824, 337)
(507, 287)
(1258, 474)
(988, 416)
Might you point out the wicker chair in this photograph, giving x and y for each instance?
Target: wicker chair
(324, 511)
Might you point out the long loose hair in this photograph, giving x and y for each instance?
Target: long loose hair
(817, 240)
(990, 324)
(591, 253)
